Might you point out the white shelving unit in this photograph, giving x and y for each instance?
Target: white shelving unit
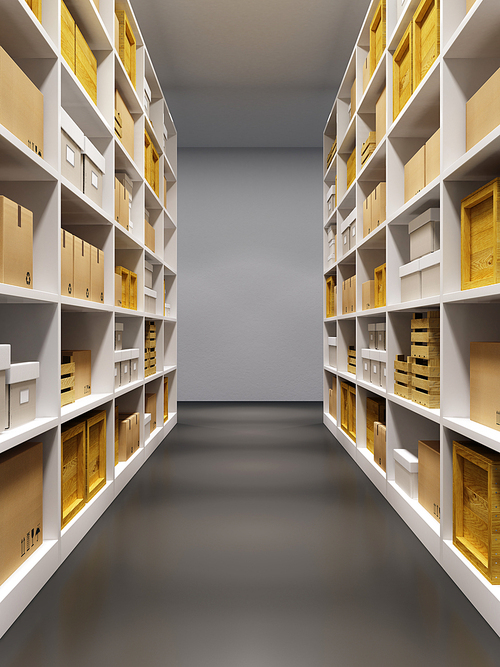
(469, 55)
(38, 323)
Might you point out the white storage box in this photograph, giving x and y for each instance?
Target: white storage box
(147, 426)
(424, 234)
(72, 145)
(134, 364)
(148, 276)
(383, 374)
(21, 380)
(124, 371)
(406, 472)
(4, 365)
(94, 167)
(150, 300)
(366, 363)
(430, 274)
(380, 331)
(372, 336)
(118, 336)
(332, 351)
(346, 241)
(117, 374)
(375, 372)
(411, 286)
(330, 199)
(167, 310)
(352, 230)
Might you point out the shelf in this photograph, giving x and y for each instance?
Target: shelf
(374, 472)
(127, 90)
(411, 306)
(77, 102)
(434, 415)
(123, 162)
(169, 369)
(72, 304)
(81, 209)
(477, 35)
(480, 163)
(429, 197)
(487, 294)
(131, 386)
(376, 389)
(14, 294)
(330, 419)
(169, 171)
(22, 35)
(83, 405)
(471, 430)
(16, 436)
(331, 172)
(20, 163)
(374, 170)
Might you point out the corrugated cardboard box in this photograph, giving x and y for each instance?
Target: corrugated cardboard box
(485, 384)
(149, 236)
(96, 274)
(21, 500)
(127, 124)
(428, 477)
(368, 291)
(424, 233)
(432, 158)
(151, 408)
(367, 215)
(378, 204)
(21, 113)
(67, 263)
(414, 172)
(483, 111)
(21, 389)
(379, 445)
(81, 267)
(85, 65)
(118, 290)
(122, 207)
(16, 244)
(83, 370)
(125, 438)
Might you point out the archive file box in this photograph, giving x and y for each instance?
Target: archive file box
(72, 146)
(406, 472)
(124, 124)
(21, 392)
(94, 167)
(16, 244)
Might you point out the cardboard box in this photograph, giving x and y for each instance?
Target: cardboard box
(16, 244)
(21, 113)
(94, 166)
(67, 263)
(378, 203)
(96, 274)
(430, 276)
(118, 336)
(4, 408)
(414, 172)
(68, 37)
(485, 384)
(125, 438)
(406, 472)
(432, 158)
(81, 264)
(366, 72)
(367, 215)
(125, 203)
(372, 335)
(72, 144)
(366, 363)
(368, 294)
(83, 370)
(353, 98)
(124, 372)
(151, 408)
(380, 117)
(149, 236)
(379, 444)
(21, 500)
(118, 290)
(428, 477)
(127, 44)
(375, 412)
(380, 331)
(126, 124)
(85, 65)
(352, 233)
(483, 111)
(375, 372)
(424, 233)
(352, 294)
(21, 390)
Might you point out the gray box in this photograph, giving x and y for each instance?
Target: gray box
(124, 372)
(346, 241)
(375, 372)
(352, 234)
(430, 280)
(72, 143)
(424, 234)
(383, 375)
(366, 369)
(411, 287)
(372, 336)
(117, 374)
(93, 171)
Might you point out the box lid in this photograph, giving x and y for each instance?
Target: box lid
(4, 357)
(365, 353)
(406, 459)
(93, 154)
(118, 326)
(148, 266)
(434, 445)
(382, 356)
(29, 370)
(150, 292)
(380, 326)
(430, 259)
(147, 418)
(72, 130)
(118, 356)
(372, 327)
(431, 215)
(125, 181)
(167, 305)
(332, 341)
(134, 352)
(375, 355)
(331, 192)
(408, 269)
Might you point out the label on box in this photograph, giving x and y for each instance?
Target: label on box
(134, 366)
(70, 156)
(24, 396)
(125, 370)
(95, 180)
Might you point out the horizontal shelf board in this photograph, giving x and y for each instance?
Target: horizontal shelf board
(20, 163)
(14, 294)
(401, 25)
(376, 389)
(169, 369)
(480, 163)
(170, 174)
(172, 320)
(374, 88)
(152, 200)
(83, 405)
(123, 162)
(375, 240)
(374, 170)
(75, 203)
(349, 257)
(409, 306)
(153, 435)
(331, 271)
(331, 220)
(429, 197)
(127, 312)
(477, 35)
(126, 240)
(371, 312)
(328, 320)
(72, 304)
(327, 416)
(22, 35)
(348, 201)
(156, 376)
(30, 564)
(484, 435)
(169, 222)
(375, 474)
(152, 257)
(345, 375)
(152, 134)
(492, 591)
(420, 117)
(87, 17)
(79, 105)
(349, 141)
(131, 386)
(126, 470)
(81, 523)
(16, 436)
(488, 293)
(331, 172)
(330, 369)
(126, 89)
(434, 415)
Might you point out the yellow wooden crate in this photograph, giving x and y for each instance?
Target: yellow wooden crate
(351, 169)
(68, 36)
(377, 36)
(426, 398)
(348, 409)
(133, 291)
(36, 8)
(426, 38)
(380, 280)
(95, 452)
(481, 237)
(86, 66)
(375, 412)
(67, 384)
(126, 45)
(330, 305)
(125, 274)
(402, 75)
(73, 466)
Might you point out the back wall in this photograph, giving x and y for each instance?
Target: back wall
(249, 262)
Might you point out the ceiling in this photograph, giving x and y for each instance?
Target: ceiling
(250, 73)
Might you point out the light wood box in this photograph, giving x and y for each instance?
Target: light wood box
(151, 409)
(469, 4)
(68, 383)
(367, 215)
(483, 111)
(329, 296)
(414, 174)
(85, 66)
(96, 452)
(485, 383)
(348, 409)
(73, 471)
(132, 303)
(375, 412)
(366, 72)
(81, 269)
(83, 370)
(377, 36)
(127, 45)
(118, 290)
(149, 236)
(476, 521)
(380, 117)
(96, 274)
(426, 38)
(429, 476)
(351, 169)
(379, 444)
(36, 8)
(480, 227)
(68, 36)
(125, 285)
(402, 72)
(380, 279)
(378, 203)
(432, 157)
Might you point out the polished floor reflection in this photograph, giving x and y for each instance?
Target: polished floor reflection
(250, 539)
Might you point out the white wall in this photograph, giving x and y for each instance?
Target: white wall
(249, 261)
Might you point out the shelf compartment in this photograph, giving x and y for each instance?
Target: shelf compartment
(80, 106)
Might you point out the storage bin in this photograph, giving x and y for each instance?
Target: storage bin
(4, 366)
(94, 166)
(16, 244)
(383, 374)
(149, 236)
(330, 199)
(346, 241)
(118, 359)
(332, 351)
(148, 275)
(124, 124)
(21, 380)
(378, 204)
(424, 233)
(147, 426)
(372, 336)
(124, 369)
(380, 280)
(118, 336)
(432, 158)
(406, 472)
(72, 145)
(366, 363)
(352, 232)
(485, 384)
(122, 204)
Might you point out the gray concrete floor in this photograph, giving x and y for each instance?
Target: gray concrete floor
(250, 539)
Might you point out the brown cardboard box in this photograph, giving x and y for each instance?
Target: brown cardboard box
(125, 438)
(122, 208)
(379, 446)
(483, 111)
(415, 174)
(366, 72)
(16, 244)
(485, 384)
(149, 235)
(127, 124)
(21, 113)
(368, 291)
(428, 477)
(21, 500)
(345, 297)
(83, 370)
(151, 409)
(367, 214)
(378, 204)
(67, 275)
(375, 412)
(118, 290)
(96, 274)
(432, 158)
(81, 267)
(352, 295)
(135, 422)
(380, 117)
